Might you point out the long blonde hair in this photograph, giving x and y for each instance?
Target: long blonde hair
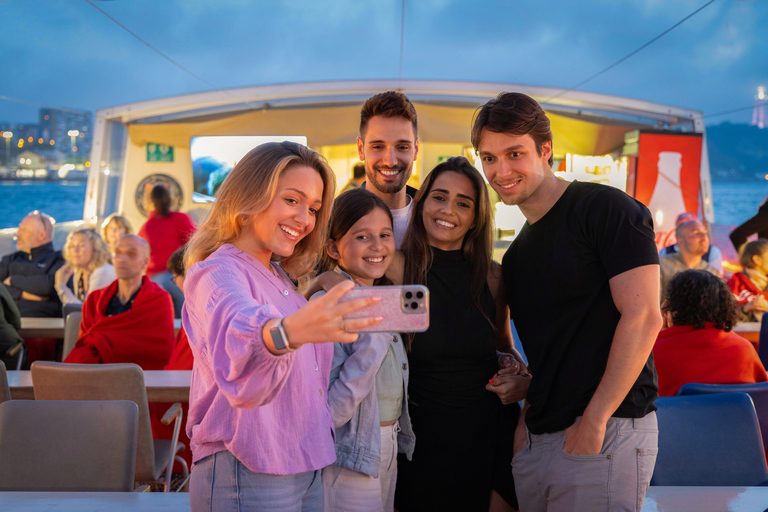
(99, 248)
(249, 189)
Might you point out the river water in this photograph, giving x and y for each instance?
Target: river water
(734, 202)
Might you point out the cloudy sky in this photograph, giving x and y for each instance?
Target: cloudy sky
(65, 53)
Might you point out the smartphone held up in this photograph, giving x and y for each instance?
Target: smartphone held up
(405, 308)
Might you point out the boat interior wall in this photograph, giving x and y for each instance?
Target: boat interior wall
(339, 125)
(443, 130)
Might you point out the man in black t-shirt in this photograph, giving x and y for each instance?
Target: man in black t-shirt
(582, 283)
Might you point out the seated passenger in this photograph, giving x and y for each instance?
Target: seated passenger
(129, 321)
(87, 268)
(10, 323)
(749, 286)
(181, 357)
(28, 273)
(113, 228)
(693, 243)
(713, 256)
(697, 344)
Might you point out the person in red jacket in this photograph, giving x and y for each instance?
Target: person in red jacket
(697, 344)
(165, 231)
(181, 359)
(129, 321)
(749, 286)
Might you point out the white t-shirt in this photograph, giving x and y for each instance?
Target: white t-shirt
(401, 217)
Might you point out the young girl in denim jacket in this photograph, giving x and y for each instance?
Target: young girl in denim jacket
(369, 378)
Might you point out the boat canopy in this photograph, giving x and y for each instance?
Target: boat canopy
(328, 115)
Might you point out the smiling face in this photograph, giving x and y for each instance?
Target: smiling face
(692, 238)
(290, 216)
(449, 210)
(512, 165)
(365, 251)
(80, 250)
(389, 148)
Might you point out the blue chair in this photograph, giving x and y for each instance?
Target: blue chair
(758, 392)
(762, 344)
(709, 440)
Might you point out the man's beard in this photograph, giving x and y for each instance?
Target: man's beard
(389, 187)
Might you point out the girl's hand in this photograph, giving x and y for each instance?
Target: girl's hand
(63, 274)
(759, 303)
(321, 320)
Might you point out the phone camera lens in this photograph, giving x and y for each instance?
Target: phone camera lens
(408, 295)
(419, 295)
(415, 305)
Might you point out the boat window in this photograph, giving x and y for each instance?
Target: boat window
(213, 157)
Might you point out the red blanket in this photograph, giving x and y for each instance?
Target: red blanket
(709, 356)
(143, 335)
(181, 357)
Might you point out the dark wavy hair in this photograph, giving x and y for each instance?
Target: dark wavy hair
(514, 113)
(175, 263)
(388, 104)
(477, 246)
(695, 297)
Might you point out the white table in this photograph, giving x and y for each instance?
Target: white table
(162, 385)
(42, 327)
(706, 499)
(750, 331)
(94, 501)
(32, 327)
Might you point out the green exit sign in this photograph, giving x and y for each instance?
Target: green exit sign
(159, 153)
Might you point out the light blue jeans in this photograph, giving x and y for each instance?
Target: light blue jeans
(221, 483)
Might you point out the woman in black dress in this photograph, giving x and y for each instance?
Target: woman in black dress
(463, 432)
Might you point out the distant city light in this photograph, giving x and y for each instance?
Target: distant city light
(39, 141)
(73, 133)
(52, 142)
(21, 160)
(28, 161)
(7, 135)
(88, 164)
(74, 149)
(46, 118)
(30, 139)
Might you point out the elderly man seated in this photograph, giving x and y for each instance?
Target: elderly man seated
(692, 243)
(129, 321)
(28, 273)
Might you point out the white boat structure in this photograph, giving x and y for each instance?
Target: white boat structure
(596, 137)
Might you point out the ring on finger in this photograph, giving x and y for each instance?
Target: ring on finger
(343, 326)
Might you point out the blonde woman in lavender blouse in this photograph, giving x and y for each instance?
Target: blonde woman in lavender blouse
(259, 423)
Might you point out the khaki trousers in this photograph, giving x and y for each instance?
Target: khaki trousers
(548, 479)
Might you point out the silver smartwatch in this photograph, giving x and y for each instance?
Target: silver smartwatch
(280, 338)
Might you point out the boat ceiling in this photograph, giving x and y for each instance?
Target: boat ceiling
(329, 114)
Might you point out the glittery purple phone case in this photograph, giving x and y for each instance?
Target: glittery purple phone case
(404, 308)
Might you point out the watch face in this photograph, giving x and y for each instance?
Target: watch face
(277, 338)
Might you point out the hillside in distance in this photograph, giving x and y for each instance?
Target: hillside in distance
(737, 152)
